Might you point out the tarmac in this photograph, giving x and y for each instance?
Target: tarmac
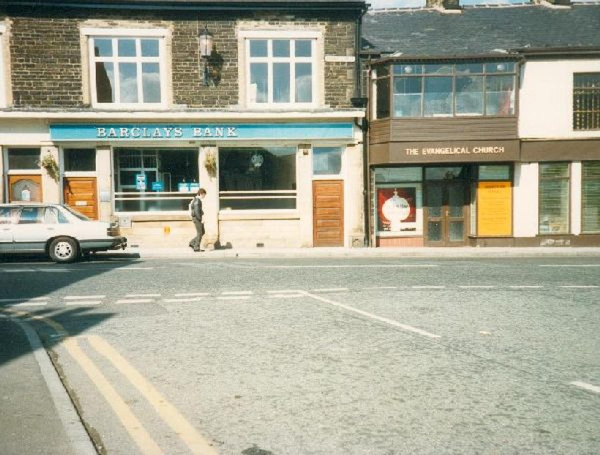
(38, 417)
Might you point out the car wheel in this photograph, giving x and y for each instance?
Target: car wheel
(63, 249)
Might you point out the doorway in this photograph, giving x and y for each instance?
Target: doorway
(80, 194)
(446, 209)
(25, 188)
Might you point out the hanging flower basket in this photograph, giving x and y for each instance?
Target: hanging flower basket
(210, 163)
(49, 163)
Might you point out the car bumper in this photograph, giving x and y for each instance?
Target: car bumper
(111, 243)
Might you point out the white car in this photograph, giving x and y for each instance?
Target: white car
(56, 230)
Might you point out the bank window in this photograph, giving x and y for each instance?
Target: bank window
(447, 90)
(591, 197)
(399, 201)
(281, 71)
(554, 198)
(26, 159)
(257, 178)
(127, 70)
(586, 101)
(327, 160)
(155, 180)
(79, 160)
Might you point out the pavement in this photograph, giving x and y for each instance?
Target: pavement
(37, 417)
(367, 253)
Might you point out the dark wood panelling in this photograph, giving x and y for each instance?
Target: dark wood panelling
(443, 129)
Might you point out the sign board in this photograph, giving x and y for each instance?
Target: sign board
(211, 132)
(494, 209)
(140, 182)
(158, 186)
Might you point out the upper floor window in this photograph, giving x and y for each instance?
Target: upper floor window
(446, 89)
(281, 70)
(127, 70)
(586, 101)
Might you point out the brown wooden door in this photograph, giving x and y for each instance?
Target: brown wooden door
(80, 194)
(328, 213)
(25, 188)
(446, 213)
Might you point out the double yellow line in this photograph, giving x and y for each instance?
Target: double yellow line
(169, 414)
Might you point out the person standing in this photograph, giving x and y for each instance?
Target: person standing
(197, 214)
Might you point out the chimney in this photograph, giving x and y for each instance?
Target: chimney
(449, 4)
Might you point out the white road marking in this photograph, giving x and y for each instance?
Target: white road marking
(190, 299)
(195, 294)
(358, 266)
(28, 304)
(54, 270)
(19, 271)
(376, 288)
(237, 293)
(135, 268)
(142, 295)
(16, 300)
(84, 302)
(285, 291)
(579, 287)
(428, 287)
(586, 386)
(477, 287)
(83, 297)
(526, 287)
(375, 317)
(569, 265)
(234, 297)
(331, 290)
(285, 296)
(134, 301)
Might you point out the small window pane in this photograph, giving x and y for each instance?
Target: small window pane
(31, 215)
(128, 81)
(408, 70)
(407, 96)
(383, 98)
(151, 82)
(438, 97)
(80, 160)
(150, 48)
(469, 95)
(259, 82)
(259, 48)
(103, 47)
(469, 68)
(383, 71)
(591, 197)
(554, 170)
(126, 48)
(494, 172)
(105, 82)
(304, 82)
(303, 48)
(398, 175)
(438, 69)
(23, 159)
(327, 160)
(281, 48)
(281, 82)
(500, 95)
(500, 67)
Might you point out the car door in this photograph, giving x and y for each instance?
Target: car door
(7, 216)
(31, 233)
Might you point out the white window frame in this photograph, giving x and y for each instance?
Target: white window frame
(137, 34)
(3, 66)
(316, 60)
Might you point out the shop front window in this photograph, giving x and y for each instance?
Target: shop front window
(554, 198)
(398, 201)
(155, 180)
(591, 197)
(257, 178)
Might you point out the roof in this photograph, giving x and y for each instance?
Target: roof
(195, 4)
(482, 31)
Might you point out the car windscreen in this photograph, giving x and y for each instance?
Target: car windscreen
(76, 213)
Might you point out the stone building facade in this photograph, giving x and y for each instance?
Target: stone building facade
(119, 95)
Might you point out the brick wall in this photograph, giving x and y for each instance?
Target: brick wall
(46, 57)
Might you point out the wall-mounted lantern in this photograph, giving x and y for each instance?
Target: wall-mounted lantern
(206, 50)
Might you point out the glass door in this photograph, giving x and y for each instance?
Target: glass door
(445, 203)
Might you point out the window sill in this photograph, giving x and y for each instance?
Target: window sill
(235, 215)
(156, 216)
